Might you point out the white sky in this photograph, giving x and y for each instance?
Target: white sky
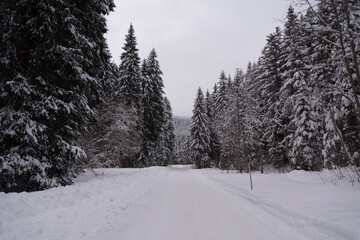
(195, 39)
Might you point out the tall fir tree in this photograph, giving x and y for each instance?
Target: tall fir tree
(214, 143)
(200, 133)
(129, 71)
(336, 70)
(153, 110)
(129, 88)
(220, 93)
(303, 138)
(253, 90)
(271, 82)
(168, 133)
(219, 96)
(230, 137)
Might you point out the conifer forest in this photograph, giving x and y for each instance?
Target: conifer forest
(66, 107)
(122, 119)
(297, 106)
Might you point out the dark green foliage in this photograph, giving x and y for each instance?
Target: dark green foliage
(168, 134)
(53, 71)
(299, 105)
(200, 133)
(129, 70)
(153, 112)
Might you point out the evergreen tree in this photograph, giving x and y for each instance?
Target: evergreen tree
(220, 93)
(291, 70)
(336, 70)
(129, 70)
(129, 91)
(230, 137)
(253, 90)
(214, 143)
(153, 111)
(200, 133)
(304, 127)
(53, 71)
(271, 82)
(168, 133)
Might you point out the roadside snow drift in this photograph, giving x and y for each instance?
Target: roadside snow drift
(81, 211)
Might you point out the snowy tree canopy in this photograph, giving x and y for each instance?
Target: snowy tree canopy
(54, 69)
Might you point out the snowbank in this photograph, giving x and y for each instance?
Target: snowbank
(78, 211)
(310, 200)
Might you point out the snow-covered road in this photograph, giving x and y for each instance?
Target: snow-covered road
(183, 203)
(187, 205)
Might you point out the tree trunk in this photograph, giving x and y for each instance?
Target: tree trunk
(261, 160)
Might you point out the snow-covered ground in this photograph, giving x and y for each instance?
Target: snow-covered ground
(82, 211)
(183, 203)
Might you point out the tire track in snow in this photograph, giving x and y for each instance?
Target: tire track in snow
(312, 227)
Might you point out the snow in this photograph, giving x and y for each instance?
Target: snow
(80, 211)
(319, 203)
(179, 202)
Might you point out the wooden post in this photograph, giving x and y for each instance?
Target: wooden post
(251, 184)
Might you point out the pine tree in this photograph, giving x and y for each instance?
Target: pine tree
(254, 90)
(200, 133)
(220, 93)
(272, 82)
(305, 140)
(230, 138)
(130, 79)
(292, 67)
(53, 72)
(336, 68)
(219, 96)
(168, 133)
(153, 111)
(214, 143)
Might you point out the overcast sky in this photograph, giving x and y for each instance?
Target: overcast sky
(195, 39)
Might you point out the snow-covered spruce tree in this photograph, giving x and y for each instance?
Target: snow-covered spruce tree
(220, 93)
(168, 134)
(53, 69)
(271, 82)
(114, 139)
(230, 137)
(214, 143)
(129, 71)
(240, 136)
(346, 115)
(335, 26)
(200, 133)
(153, 111)
(253, 92)
(147, 146)
(129, 90)
(250, 131)
(219, 114)
(291, 70)
(301, 120)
